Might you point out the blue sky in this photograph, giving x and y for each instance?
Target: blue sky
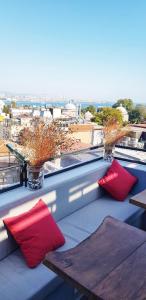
(81, 49)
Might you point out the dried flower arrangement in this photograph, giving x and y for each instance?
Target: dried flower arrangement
(114, 132)
(43, 142)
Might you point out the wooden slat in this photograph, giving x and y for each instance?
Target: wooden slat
(128, 280)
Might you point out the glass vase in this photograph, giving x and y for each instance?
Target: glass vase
(35, 176)
(108, 154)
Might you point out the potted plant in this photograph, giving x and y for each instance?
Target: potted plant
(40, 143)
(113, 132)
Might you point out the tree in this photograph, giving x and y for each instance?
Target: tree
(90, 108)
(142, 109)
(108, 113)
(127, 103)
(6, 109)
(13, 104)
(135, 116)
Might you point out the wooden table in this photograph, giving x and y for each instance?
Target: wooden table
(109, 265)
(139, 199)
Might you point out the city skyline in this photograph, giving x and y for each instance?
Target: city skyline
(74, 49)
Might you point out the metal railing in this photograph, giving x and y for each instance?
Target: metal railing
(17, 174)
(58, 164)
(11, 172)
(9, 177)
(7, 160)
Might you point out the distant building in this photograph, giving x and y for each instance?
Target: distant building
(82, 132)
(1, 106)
(70, 110)
(87, 133)
(136, 138)
(15, 112)
(46, 114)
(97, 135)
(88, 116)
(36, 113)
(124, 113)
(2, 117)
(56, 112)
(25, 121)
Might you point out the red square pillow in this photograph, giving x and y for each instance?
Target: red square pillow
(118, 181)
(35, 232)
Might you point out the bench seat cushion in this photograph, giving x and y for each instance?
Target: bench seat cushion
(36, 284)
(17, 281)
(88, 218)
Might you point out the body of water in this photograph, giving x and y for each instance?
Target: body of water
(60, 103)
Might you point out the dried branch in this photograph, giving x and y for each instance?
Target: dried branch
(113, 132)
(43, 141)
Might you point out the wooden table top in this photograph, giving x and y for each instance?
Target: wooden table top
(139, 199)
(109, 265)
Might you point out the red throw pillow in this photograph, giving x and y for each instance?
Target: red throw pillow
(118, 181)
(36, 233)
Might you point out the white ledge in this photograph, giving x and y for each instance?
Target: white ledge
(25, 193)
(50, 182)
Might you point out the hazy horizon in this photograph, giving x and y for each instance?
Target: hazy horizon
(92, 101)
(81, 49)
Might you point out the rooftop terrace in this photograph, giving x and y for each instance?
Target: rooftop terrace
(79, 206)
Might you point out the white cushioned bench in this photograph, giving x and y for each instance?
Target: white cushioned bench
(79, 206)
